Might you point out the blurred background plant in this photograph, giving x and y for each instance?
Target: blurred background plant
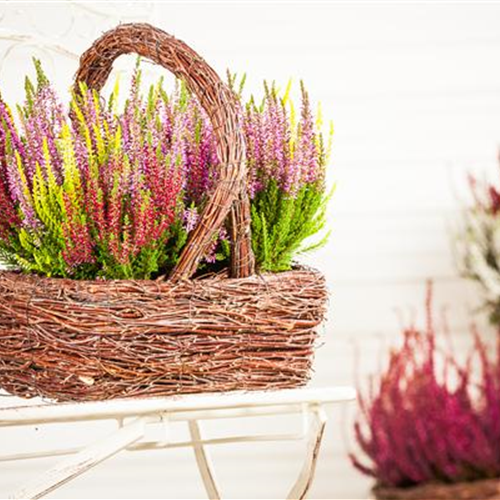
(113, 193)
(428, 418)
(479, 243)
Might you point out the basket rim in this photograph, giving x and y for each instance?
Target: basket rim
(223, 274)
(456, 490)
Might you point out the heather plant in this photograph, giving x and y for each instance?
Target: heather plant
(428, 418)
(479, 243)
(97, 195)
(99, 191)
(287, 160)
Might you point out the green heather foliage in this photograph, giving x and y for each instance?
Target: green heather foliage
(101, 192)
(281, 223)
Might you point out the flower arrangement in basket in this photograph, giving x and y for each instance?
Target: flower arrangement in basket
(479, 243)
(151, 249)
(429, 426)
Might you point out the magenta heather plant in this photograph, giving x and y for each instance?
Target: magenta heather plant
(427, 418)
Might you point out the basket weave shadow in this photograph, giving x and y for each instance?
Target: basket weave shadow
(71, 340)
(473, 490)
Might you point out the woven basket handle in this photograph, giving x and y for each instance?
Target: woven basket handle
(219, 103)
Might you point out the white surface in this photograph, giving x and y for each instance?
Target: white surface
(414, 92)
(26, 414)
(133, 416)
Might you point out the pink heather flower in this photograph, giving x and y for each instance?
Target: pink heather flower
(9, 171)
(8, 130)
(211, 255)
(44, 122)
(271, 154)
(190, 217)
(307, 145)
(9, 218)
(223, 234)
(305, 167)
(79, 244)
(201, 156)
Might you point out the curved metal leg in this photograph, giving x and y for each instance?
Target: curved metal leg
(203, 461)
(83, 461)
(306, 476)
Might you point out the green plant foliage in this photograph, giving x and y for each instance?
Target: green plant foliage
(282, 224)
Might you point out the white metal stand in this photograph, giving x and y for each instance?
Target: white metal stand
(133, 416)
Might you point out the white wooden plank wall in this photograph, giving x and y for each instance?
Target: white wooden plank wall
(414, 92)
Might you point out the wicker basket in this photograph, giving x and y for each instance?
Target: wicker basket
(95, 340)
(474, 490)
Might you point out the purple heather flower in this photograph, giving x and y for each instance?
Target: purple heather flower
(191, 217)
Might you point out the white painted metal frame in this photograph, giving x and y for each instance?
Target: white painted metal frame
(134, 415)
